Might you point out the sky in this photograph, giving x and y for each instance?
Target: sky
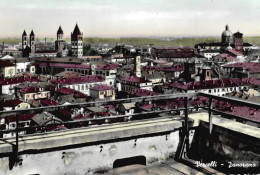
(129, 18)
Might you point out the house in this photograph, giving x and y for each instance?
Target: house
(10, 123)
(24, 65)
(92, 58)
(142, 92)
(131, 83)
(209, 53)
(243, 70)
(44, 119)
(81, 84)
(16, 104)
(238, 55)
(7, 69)
(55, 68)
(7, 84)
(108, 70)
(68, 74)
(68, 96)
(156, 77)
(216, 87)
(223, 58)
(102, 92)
(40, 90)
(126, 108)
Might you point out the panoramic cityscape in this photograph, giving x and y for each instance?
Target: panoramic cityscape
(132, 101)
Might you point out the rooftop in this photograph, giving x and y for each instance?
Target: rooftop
(230, 82)
(143, 92)
(102, 87)
(18, 80)
(79, 80)
(80, 66)
(251, 67)
(107, 67)
(136, 79)
(48, 102)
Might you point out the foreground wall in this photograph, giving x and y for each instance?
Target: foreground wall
(233, 146)
(90, 150)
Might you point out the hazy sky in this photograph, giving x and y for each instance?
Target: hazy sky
(116, 18)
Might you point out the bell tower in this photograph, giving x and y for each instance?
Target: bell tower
(24, 40)
(59, 42)
(238, 41)
(32, 43)
(138, 66)
(77, 42)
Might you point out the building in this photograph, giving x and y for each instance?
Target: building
(82, 84)
(243, 70)
(10, 123)
(102, 92)
(215, 87)
(16, 104)
(32, 43)
(131, 83)
(24, 65)
(7, 84)
(77, 42)
(59, 43)
(229, 41)
(34, 91)
(227, 37)
(7, 69)
(108, 70)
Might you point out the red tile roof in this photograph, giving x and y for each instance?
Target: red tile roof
(234, 52)
(79, 66)
(136, 79)
(227, 57)
(49, 102)
(175, 68)
(18, 80)
(250, 67)
(21, 117)
(231, 82)
(65, 90)
(102, 87)
(173, 54)
(10, 103)
(29, 89)
(241, 111)
(79, 80)
(5, 63)
(107, 67)
(143, 92)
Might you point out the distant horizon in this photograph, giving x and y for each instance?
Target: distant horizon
(130, 18)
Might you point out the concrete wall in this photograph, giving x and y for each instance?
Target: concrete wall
(96, 158)
(93, 149)
(230, 143)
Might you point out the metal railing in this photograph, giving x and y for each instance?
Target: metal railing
(186, 108)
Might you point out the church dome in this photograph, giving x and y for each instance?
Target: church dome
(227, 32)
(227, 36)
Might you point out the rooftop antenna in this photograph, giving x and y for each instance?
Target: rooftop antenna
(45, 44)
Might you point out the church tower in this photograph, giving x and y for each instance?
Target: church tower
(238, 41)
(32, 43)
(59, 42)
(24, 40)
(138, 66)
(77, 42)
